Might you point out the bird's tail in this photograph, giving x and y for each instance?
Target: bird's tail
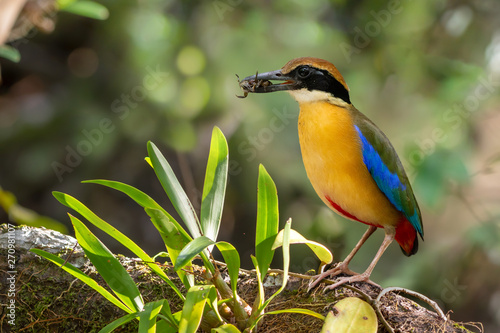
(406, 236)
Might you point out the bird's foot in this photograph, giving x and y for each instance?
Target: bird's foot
(364, 277)
(341, 268)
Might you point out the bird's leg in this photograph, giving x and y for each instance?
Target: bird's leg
(365, 277)
(342, 267)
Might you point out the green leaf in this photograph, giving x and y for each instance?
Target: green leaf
(191, 250)
(177, 196)
(161, 254)
(165, 326)
(226, 328)
(142, 199)
(174, 190)
(10, 53)
(118, 322)
(166, 313)
(173, 235)
(353, 315)
(147, 318)
(108, 266)
(320, 250)
(298, 310)
(82, 277)
(286, 262)
(193, 308)
(329, 322)
(232, 260)
(213, 297)
(267, 221)
(89, 9)
(258, 314)
(64, 3)
(214, 188)
(261, 295)
(173, 239)
(73, 203)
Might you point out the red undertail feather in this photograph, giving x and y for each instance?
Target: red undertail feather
(406, 236)
(342, 212)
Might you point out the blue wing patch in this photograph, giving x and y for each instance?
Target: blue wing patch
(388, 182)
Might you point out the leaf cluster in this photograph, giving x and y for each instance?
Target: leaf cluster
(211, 303)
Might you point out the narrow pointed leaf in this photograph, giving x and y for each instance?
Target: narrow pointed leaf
(193, 308)
(164, 326)
(320, 250)
(261, 295)
(82, 277)
(232, 260)
(148, 317)
(73, 203)
(174, 190)
(286, 261)
(259, 312)
(293, 310)
(191, 250)
(267, 221)
(108, 266)
(141, 198)
(10, 53)
(118, 322)
(298, 310)
(170, 230)
(214, 188)
(173, 239)
(212, 302)
(89, 9)
(167, 313)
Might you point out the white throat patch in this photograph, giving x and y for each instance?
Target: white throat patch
(307, 96)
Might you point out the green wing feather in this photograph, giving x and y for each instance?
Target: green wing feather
(384, 165)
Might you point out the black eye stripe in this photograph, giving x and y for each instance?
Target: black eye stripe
(319, 79)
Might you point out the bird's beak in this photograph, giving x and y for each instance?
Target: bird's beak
(261, 82)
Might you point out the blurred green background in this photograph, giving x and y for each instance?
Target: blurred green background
(85, 99)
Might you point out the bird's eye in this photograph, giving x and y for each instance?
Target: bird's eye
(304, 72)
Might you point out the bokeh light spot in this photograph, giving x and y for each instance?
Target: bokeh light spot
(181, 136)
(191, 60)
(83, 62)
(195, 93)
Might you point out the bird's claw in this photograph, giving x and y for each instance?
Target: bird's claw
(339, 269)
(350, 279)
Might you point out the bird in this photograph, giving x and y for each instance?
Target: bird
(350, 162)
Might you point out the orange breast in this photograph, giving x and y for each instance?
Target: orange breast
(331, 151)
